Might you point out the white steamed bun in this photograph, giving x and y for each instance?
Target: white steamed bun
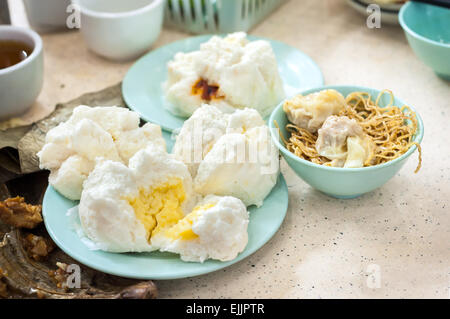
(229, 154)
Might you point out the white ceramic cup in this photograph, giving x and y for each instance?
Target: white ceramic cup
(119, 29)
(20, 84)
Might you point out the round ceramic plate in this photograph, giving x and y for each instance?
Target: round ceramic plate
(264, 222)
(142, 86)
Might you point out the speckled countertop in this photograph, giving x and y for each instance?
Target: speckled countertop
(397, 236)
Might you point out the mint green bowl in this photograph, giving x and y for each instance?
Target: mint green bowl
(335, 181)
(427, 29)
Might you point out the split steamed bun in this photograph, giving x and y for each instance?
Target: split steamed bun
(122, 208)
(230, 73)
(72, 147)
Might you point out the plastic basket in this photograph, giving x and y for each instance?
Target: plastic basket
(217, 16)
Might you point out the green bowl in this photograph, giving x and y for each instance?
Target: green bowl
(427, 29)
(335, 181)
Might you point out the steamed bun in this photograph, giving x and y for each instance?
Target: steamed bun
(229, 154)
(201, 131)
(122, 208)
(229, 73)
(243, 165)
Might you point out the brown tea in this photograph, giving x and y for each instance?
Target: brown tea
(13, 52)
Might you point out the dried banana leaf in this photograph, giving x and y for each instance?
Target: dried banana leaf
(11, 137)
(10, 165)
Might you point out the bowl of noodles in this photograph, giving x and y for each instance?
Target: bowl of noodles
(346, 140)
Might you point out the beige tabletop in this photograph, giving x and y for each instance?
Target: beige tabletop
(392, 242)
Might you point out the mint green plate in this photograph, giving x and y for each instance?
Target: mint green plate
(142, 86)
(264, 222)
